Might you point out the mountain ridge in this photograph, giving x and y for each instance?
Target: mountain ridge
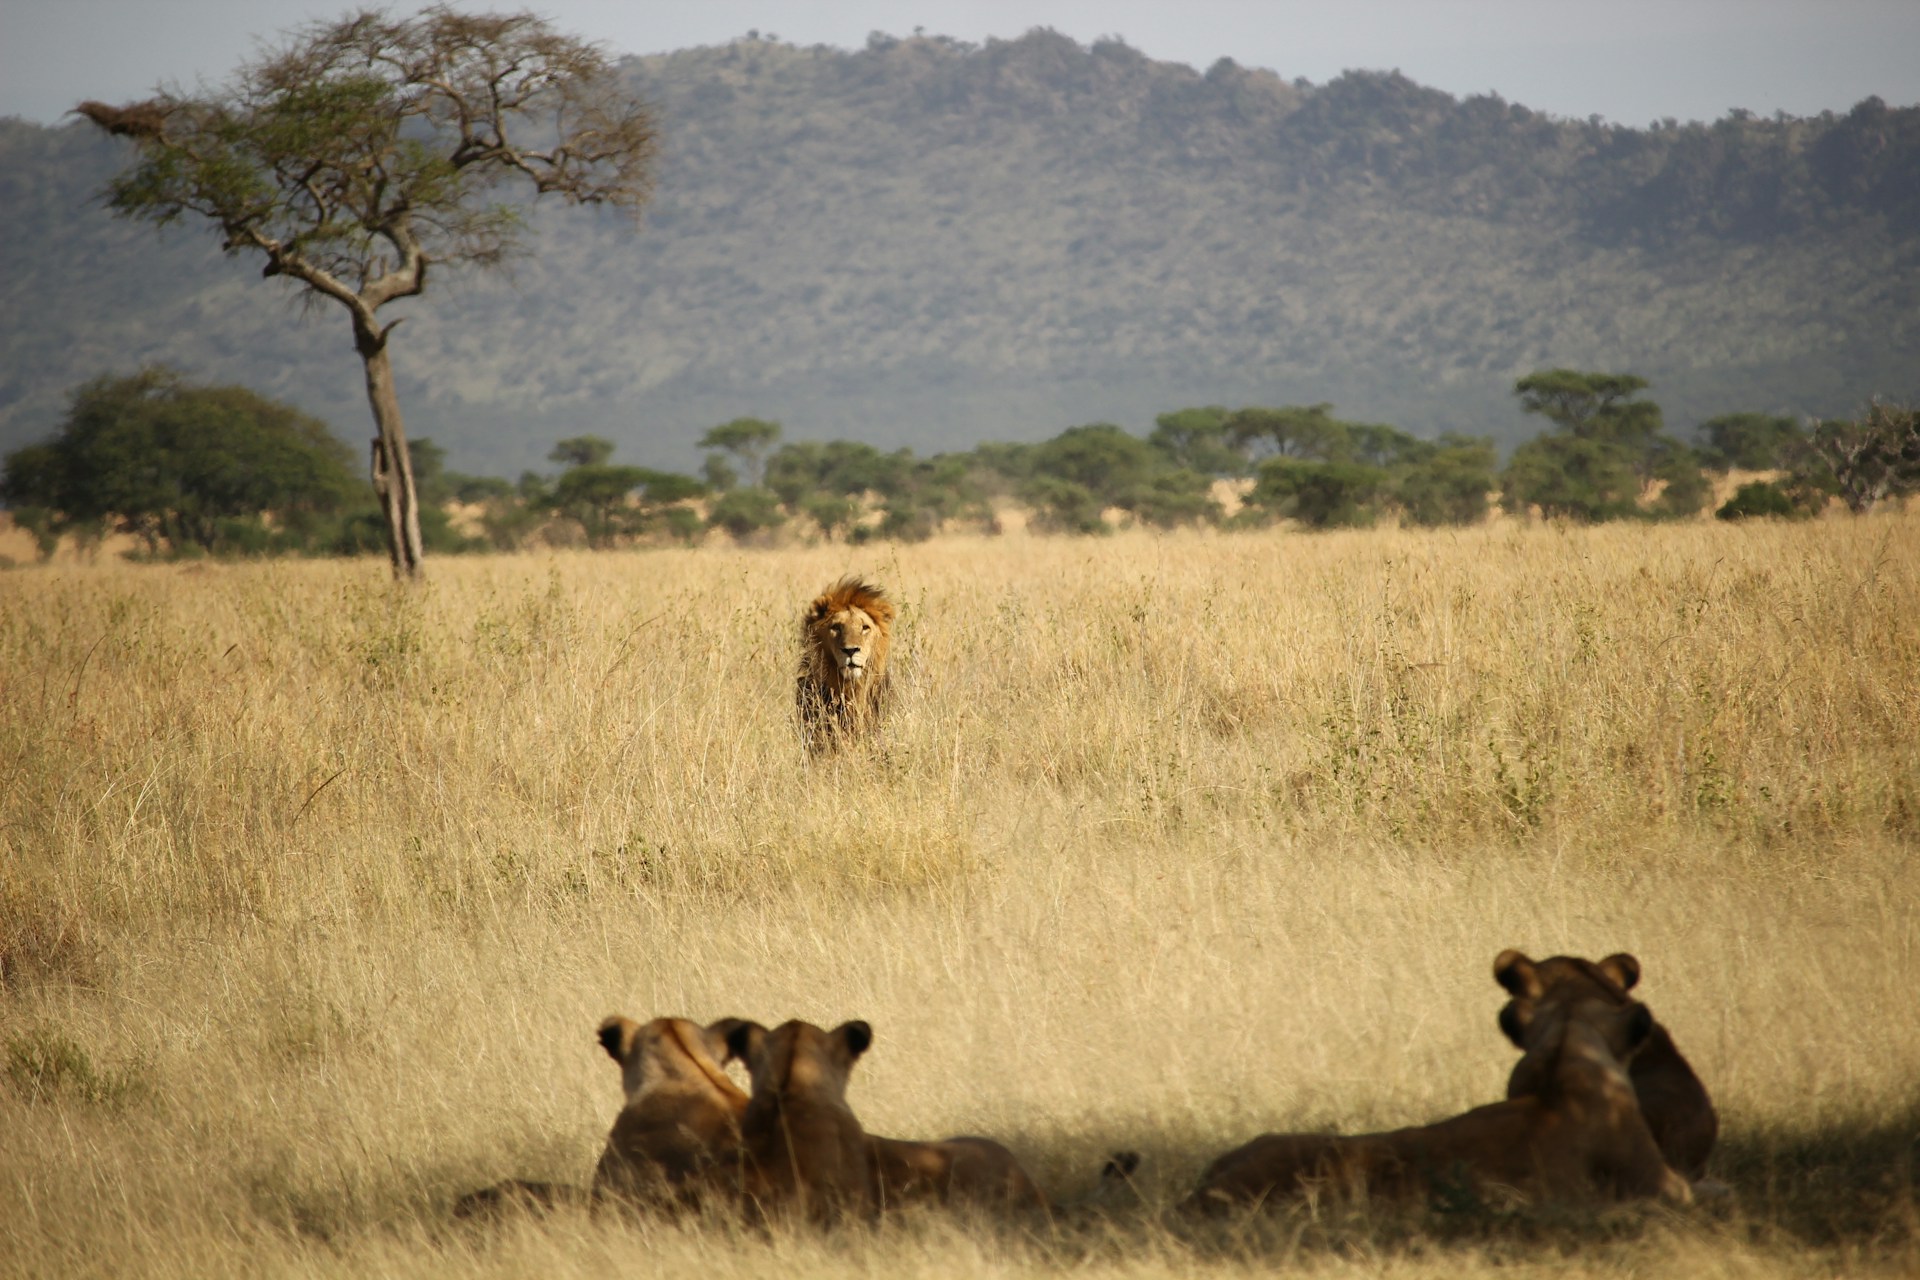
(930, 243)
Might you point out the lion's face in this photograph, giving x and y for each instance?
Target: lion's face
(846, 632)
(850, 637)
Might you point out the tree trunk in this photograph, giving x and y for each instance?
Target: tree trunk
(392, 463)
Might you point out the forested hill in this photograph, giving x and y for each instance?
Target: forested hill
(931, 243)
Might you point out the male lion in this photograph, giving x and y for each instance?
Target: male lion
(1676, 1106)
(676, 1142)
(1580, 1136)
(844, 638)
(805, 1152)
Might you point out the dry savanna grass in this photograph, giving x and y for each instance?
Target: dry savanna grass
(313, 889)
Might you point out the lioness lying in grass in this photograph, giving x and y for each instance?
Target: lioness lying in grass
(1580, 1136)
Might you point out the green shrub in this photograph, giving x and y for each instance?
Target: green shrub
(745, 512)
(46, 1066)
(1757, 498)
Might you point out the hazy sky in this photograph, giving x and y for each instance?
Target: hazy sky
(1631, 61)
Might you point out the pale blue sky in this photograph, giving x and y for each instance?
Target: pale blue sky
(1630, 61)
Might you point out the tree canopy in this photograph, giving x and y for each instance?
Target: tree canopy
(1750, 441)
(179, 465)
(747, 439)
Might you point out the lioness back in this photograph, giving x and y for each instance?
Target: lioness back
(1676, 1105)
(805, 1154)
(676, 1140)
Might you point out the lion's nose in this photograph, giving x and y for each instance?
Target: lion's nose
(852, 651)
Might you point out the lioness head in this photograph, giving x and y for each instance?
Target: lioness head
(669, 1051)
(1547, 994)
(848, 628)
(798, 1058)
(1567, 977)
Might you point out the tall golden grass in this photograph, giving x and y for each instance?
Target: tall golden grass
(313, 889)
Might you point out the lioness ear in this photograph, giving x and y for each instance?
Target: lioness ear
(616, 1037)
(720, 1039)
(744, 1040)
(1516, 973)
(856, 1035)
(1639, 1027)
(1622, 968)
(1513, 1022)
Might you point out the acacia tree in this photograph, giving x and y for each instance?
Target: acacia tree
(1867, 461)
(1296, 431)
(370, 148)
(1591, 406)
(1607, 434)
(747, 439)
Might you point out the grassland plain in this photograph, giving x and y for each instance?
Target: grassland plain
(313, 889)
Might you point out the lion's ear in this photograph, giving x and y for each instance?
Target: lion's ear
(820, 608)
(1516, 973)
(1622, 968)
(744, 1039)
(616, 1037)
(881, 611)
(719, 1036)
(1513, 1022)
(857, 1036)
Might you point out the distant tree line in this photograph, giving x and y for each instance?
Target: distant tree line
(218, 470)
(200, 470)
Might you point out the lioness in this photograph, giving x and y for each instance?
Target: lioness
(845, 636)
(1676, 1106)
(1580, 1136)
(805, 1152)
(676, 1142)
